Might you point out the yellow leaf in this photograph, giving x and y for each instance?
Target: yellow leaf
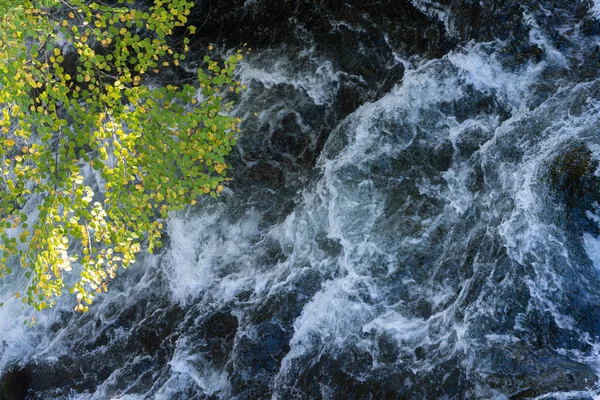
(219, 168)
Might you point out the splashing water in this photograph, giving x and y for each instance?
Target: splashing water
(436, 238)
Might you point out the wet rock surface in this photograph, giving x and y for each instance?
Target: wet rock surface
(15, 384)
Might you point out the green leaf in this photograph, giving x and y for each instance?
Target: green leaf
(155, 148)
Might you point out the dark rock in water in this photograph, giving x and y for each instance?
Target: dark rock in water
(333, 24)
(48, 379)
(345, 376)
(143, 348)
(536, 374)
(353, 92)
(266, 173)
(258, 356)
(393, 77)
(570, 168)
(218, 333)
(14, 384)
(574, 184)
(220, 326)
(488, 19)
(349, 97)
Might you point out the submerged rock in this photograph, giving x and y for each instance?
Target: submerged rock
(575, 185)
(14, 384)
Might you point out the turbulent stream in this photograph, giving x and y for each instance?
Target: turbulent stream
(414, 214)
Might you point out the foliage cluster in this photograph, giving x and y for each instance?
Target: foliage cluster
(77, 100)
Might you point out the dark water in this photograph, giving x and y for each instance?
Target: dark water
(415, 214)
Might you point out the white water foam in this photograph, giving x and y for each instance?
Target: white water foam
(595, 9)
(319, 83)
(486, 74)
(201, 246)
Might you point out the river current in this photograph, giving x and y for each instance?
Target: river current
(414, 214)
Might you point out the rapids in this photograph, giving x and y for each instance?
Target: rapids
(414, 214)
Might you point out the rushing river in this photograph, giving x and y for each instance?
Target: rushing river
(414, 214)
